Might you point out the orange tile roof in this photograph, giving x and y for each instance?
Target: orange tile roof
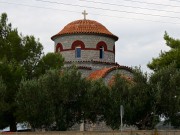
(98, 74)
(103, 72)
(85, 26)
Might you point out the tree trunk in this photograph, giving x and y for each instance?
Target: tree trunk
(13, 127)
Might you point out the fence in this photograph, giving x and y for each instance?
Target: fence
(134, 132)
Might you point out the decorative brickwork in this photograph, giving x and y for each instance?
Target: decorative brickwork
(89, 46)
(77, 43)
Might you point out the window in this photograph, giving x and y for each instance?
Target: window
(59, 47)
(101, 52)
(78, 52)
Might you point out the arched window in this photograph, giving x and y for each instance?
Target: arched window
(78, 52)
(101, 46)
(78, 46)
(59, 47)
(101, 52)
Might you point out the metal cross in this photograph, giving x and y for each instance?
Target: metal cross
(84, 13)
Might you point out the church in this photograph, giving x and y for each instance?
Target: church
(91, 47)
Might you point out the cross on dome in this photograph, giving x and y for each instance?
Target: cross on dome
(84, 13)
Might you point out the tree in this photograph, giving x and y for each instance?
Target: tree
(68, 104)
(3, 104)
(140, 103)
(138, 100)
(26, 50)
(19, 55)
(166, 58)
(166, 83)
(11, 73)
(31, 54)
(49, 61)
(118, 89)
(34, 104)
(95, 101)
(53, 94)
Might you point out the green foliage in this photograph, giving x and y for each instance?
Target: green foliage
(11, 73)
(166, 82)
(49, 61)
(34, 104)
(68, 106)
(53, 94)
(118, 90)
(31, 54)
(25, 50)
(166, 58)
(19, 55)
(139, 103)
(95, 101)
(3, 104)
(36, 90)
(138, 100)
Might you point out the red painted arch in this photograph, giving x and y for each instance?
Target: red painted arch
(101, 43)
(77, 43)
(59, 45)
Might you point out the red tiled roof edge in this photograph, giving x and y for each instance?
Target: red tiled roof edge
(103, 72)
(117, 67)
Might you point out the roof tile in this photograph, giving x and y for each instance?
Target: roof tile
(85, 26)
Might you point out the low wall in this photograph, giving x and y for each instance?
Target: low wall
(137, 132)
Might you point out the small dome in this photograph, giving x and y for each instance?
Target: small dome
(85, 27)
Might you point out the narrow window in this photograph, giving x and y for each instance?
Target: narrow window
(78, 52)
(101, 52)
(59, 49)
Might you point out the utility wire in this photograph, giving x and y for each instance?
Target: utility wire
(25, 5)
(135, 19)
(157, 4)
(113, 10)
(112, 4)
(39, 7)
(175, 0)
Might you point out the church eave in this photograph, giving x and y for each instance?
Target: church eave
(94, 61)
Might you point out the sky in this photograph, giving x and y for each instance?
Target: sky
(139, 24)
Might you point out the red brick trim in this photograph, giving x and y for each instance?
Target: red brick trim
(86, 49)
(77, 43)
(59, 45)
(101, 43)
(82, 45)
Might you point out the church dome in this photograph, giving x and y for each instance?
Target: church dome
(85, 27)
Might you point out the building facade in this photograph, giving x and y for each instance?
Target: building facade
(91, 47)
